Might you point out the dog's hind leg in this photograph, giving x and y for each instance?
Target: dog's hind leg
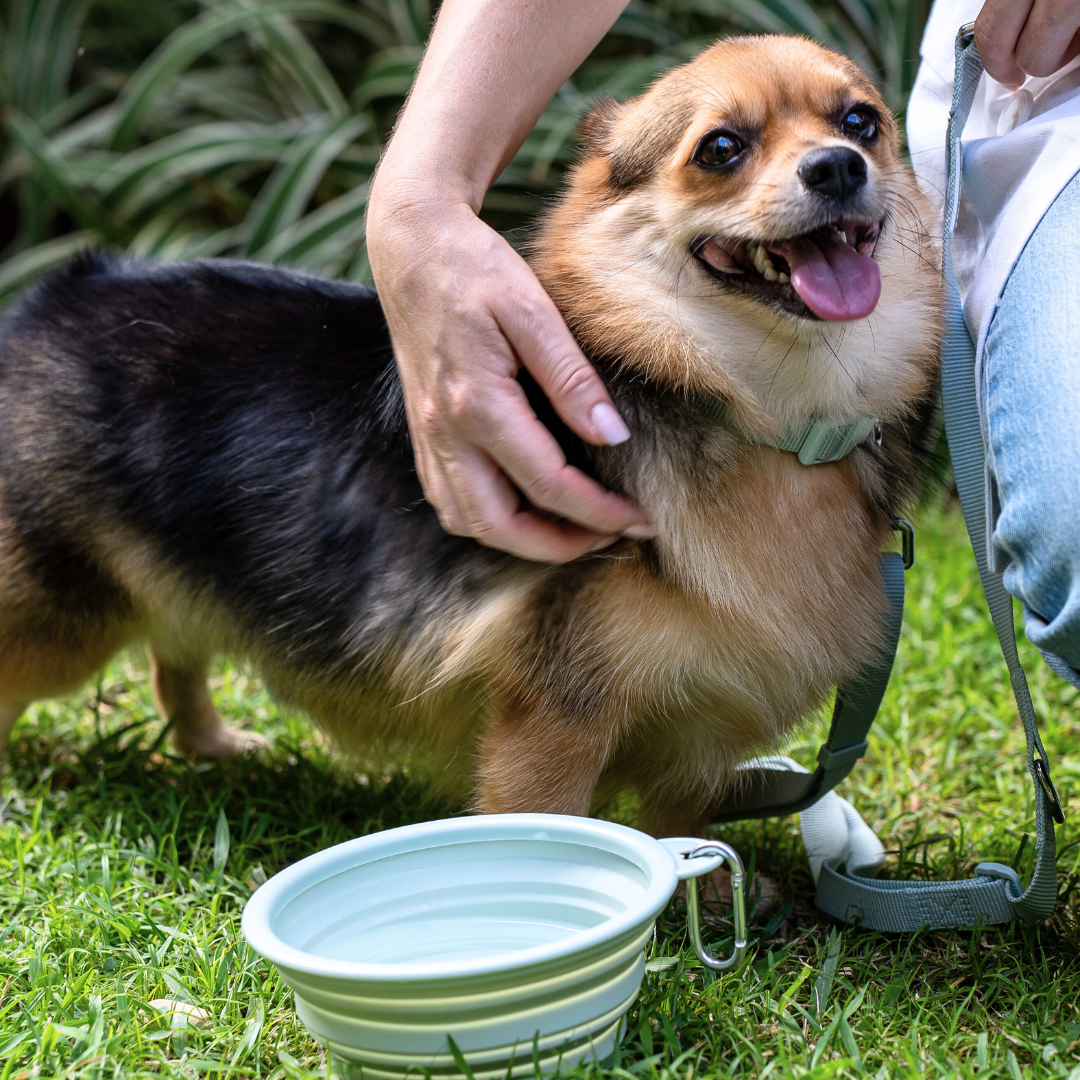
(536, 763)
(198, 731)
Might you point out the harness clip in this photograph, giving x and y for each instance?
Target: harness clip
(1043, 773)
(907, 540)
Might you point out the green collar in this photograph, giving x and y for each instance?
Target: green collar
(816, 441)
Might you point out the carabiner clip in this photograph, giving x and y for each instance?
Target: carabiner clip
(693, 906)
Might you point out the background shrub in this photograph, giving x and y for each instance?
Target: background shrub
(251, 127)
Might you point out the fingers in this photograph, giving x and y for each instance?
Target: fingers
(1049, 37)
(494, 516)
(506, 428)
(455, 444)
(546, 347)
(473, 496)
(997, 30)
(1017, 38)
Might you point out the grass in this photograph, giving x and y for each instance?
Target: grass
(123, 872)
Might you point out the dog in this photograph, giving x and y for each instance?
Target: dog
(214, 458)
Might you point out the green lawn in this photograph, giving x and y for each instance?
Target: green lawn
(123, 872)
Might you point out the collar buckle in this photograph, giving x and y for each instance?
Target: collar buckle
(816, 442)
(822, 441)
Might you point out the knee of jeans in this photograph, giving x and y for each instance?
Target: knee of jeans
(1044, 574)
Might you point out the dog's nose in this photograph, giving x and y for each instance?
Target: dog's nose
(834, 171)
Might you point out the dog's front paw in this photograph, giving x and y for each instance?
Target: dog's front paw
(220, 743)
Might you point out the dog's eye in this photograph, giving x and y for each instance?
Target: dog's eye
(859, 124)
(719, 148)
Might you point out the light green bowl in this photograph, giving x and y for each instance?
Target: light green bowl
(511, 934)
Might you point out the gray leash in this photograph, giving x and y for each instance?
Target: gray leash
(967, 446)
(995, 894)
(765, 791)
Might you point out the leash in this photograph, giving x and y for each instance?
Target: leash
(846, 887)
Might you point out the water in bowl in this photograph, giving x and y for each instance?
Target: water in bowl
(460, 902)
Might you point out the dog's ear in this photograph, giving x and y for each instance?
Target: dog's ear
(633, 156)
(594, 128)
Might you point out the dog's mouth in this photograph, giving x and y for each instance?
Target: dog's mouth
(829, 273)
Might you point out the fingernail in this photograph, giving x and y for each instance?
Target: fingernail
(603, 542)
(609, 424)
(640, 532)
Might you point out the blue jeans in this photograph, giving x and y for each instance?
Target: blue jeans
(1031, 402)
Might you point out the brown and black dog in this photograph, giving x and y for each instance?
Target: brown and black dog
(214, 458)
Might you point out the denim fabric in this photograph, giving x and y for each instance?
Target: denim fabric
(1031, 403)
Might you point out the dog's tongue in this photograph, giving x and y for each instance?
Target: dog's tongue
(833, 279)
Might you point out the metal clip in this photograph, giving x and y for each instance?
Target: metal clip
(965, 35)
(1043, 773)
(907, 540)
(693, 906)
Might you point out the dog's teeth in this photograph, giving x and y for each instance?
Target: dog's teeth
(770, 272)
(784, 278)
(761, 259)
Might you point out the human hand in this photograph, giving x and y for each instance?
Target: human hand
(464, 310)
(1017, 38)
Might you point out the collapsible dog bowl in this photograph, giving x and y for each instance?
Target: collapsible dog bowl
(514, 935)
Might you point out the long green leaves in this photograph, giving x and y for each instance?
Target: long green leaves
(252, 127)
(229, 131)
(284, 196)
(199, 36)
(23, 269)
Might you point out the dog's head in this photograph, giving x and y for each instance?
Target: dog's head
(747, 228)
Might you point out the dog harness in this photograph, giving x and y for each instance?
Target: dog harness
(844, 853)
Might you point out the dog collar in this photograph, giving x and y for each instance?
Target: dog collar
(816, 442)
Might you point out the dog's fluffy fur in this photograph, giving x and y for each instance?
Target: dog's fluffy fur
(214, 457)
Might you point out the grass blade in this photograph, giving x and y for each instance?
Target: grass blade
(222, 839)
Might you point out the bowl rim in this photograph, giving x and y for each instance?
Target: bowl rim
(271, 897)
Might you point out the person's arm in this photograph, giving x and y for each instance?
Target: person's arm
(1017, 38)
(464, 310)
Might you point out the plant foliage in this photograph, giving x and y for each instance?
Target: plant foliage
(251, 128)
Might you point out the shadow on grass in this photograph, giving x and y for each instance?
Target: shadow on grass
(279, 806)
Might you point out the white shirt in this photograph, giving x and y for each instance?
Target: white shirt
(1020, 150)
